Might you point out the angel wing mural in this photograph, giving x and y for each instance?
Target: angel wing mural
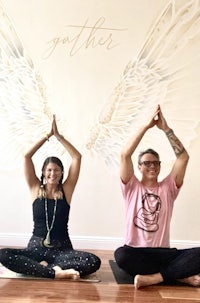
(166, 72)
(25, 114)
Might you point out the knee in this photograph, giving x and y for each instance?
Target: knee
(196, 251)
(2, 255)
(120, 257)
(97, 263)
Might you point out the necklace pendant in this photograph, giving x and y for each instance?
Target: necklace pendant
(47, 241)
(45, 244)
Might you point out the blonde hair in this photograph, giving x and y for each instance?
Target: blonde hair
(58, 194)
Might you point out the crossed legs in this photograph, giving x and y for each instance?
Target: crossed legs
(150, 266)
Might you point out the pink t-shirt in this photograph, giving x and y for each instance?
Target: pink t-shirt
(148, 213)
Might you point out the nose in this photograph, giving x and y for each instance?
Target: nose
(53, 173)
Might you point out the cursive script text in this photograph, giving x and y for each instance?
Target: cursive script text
(87, 36)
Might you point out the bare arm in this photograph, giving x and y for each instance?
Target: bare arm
(126, 164)
(29, 169)
(182, 157)
(74, 170)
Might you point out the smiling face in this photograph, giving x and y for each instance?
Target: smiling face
(52, 173)
(149, 166)
(52, 170)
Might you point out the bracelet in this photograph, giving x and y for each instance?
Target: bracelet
(47, 137)
(169, 132)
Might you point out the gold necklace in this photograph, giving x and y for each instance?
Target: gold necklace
(47, 240)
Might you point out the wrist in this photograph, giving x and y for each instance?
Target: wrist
(47, 136)
(59, 137)
(168, 132)
(145, 128)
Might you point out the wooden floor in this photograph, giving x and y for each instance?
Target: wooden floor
(106, 291)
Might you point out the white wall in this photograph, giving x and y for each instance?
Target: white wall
(78, 81)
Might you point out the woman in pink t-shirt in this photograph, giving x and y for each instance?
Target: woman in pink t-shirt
(146, 254)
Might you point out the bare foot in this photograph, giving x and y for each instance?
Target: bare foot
(193, 280)
(44, 263)
(146, 280)
(66, 273)
(139, 281)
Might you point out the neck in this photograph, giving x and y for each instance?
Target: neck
(150, 183)
(50, 191)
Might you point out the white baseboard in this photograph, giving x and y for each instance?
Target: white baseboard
(79, 242)
(85, 242)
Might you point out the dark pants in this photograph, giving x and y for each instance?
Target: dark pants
(172, 263)
(27, 261)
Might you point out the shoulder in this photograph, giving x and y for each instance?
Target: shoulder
(168, 186)
(133, 180)
(168, 181)
(130, 186)
(34, 192)
(65, 197)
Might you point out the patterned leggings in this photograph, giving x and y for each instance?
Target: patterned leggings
(173, 264)
(27, 261)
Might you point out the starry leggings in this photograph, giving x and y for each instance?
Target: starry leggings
(27, 261)
(173, 264)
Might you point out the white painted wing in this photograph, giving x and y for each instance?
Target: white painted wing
(165, 72)
(24, 112)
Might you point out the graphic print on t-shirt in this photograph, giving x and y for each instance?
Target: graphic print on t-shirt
(147, 216)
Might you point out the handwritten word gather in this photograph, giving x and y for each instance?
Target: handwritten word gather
(87, 36)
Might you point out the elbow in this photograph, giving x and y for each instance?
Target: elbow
(27, 155)
(78, 157)
(124, 155)
(186, 157)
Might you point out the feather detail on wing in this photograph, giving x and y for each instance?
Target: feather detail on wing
(165, 72)
(24, 112)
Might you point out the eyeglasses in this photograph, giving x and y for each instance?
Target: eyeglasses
(149, 163)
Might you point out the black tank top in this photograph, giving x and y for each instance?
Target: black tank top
(60, 227)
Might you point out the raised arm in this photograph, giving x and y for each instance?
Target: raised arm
(29, 169)
(182, 157)
(126, 164)
(74, 169)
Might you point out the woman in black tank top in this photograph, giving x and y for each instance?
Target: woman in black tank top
(50, 253)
